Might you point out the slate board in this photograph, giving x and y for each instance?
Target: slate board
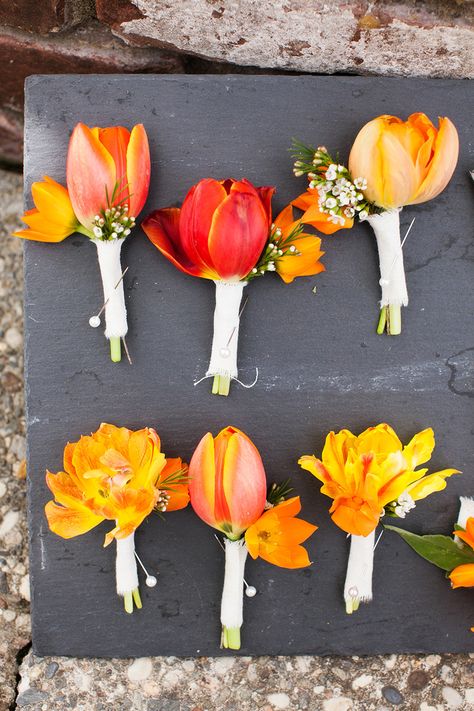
(321, 367)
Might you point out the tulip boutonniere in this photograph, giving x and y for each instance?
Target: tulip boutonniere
(393, 163)
(121, 476)
(369, 476)
(108, 175)
(228, 491)
(224, 232)
(453, 555)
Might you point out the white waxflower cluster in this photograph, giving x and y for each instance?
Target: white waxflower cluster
(274, 250)
(403, 505)
(339, 197)
(113, 223)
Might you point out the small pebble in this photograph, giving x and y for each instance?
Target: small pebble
(418, 679)
(469, 696)
(452, 697)
(140, 669)
(31, 696)
(13, 338)
(279, 701)
(3, 489)
(362, 681)
(447, 674)
(339, 703)
(25, 587)
(9, 521)
(51, 670)
(392, 695)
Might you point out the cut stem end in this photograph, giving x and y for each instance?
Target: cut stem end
(231, 637)
(390, 320)
(133, 596)
(221, 385)
(352, 605)
(115, 350)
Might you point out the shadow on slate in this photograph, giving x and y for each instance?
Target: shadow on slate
(321, 367)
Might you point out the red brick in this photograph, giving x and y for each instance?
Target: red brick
(85, 50)
(11, 137)
(44, 16)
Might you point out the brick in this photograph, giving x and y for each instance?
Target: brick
(44, 16)
(90, 49)
(11, 137)
(391, 37)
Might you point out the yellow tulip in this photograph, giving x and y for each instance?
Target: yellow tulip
(404, 162)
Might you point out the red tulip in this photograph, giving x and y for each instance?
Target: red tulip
(220, 231)
(227, 482)
(107, 167)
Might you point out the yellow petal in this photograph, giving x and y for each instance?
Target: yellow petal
(431, 483)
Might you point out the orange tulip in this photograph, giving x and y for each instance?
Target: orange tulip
(463, 575)
(118, 475)
(301, 253)
(220, 231)
(404, 162)
(277, 536)
(227, 482)
(107, 167)
(53, 218)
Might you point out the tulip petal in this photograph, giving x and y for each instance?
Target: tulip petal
(243, 482)
(39, 236)
(443, 163)
(162, 229)
(238, 235)
(195, 221)
(138, 169)
(90, 174)
(69, 523)
(52, 200)
(431, 483)
(202, 480)
(115, 139)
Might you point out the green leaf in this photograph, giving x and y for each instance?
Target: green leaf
(442, 551)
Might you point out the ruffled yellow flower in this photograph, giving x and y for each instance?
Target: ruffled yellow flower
(366, 473)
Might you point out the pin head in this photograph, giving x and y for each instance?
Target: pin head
(353, 591)
(94, 321)
(384, 282)
(250, 591)
(224, 352)
(150, 581)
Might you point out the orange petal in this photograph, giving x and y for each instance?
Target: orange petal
(69, 523)
(115, 140)
(443, 163)
(462, 576)
(90, 174)
(138, 169)
(202, 478)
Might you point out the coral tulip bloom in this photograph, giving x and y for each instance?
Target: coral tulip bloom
(227, 482)
(404, 162)
(302, 257)
(107, 167)
(220, 231)
(277, 536)
(366, 473)
(113, 474)
(312, 215)
(53, 218)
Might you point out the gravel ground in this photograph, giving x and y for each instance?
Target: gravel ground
(411, 683)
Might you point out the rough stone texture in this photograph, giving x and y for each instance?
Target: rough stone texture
(14, 591)
(11, 136)
(91, 50)
(45, 16)
(433, 38)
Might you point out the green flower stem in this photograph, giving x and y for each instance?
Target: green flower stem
(231, 637)
(394, 326)
(221, 385)
(115, 350)
(382, 321)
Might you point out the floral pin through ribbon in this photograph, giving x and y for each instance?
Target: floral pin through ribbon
(228, 491)
(224, 232)
(108, 175)
(368, 476)
(393, 163)
(117, 475)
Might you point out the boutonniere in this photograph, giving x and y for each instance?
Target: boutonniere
(453, 555)
(115, 475)
(228, 491)
(392, 164)
(369, 476)
(108, 175)
(224, 232)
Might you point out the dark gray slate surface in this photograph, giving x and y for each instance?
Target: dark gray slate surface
(321, 367)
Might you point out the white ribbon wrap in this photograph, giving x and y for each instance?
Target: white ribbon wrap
(232, 605)
(386, 226)
(466, 510)
(108, 252)
(226, 328)
(358, 585)
(126, 574)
